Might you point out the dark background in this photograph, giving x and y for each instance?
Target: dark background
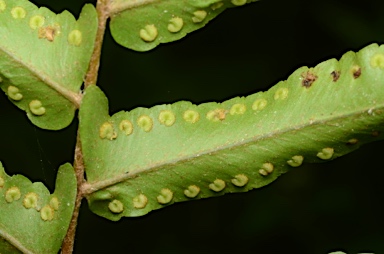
(314, 209)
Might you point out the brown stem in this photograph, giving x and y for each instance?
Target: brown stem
(68, 243)
(102, 8)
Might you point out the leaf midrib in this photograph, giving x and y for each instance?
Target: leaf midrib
(116, 8)
(90, 188)
(74, 98)
(14, 242)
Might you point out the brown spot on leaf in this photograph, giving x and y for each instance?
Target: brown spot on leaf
(308, 79)
(48, 32)
(217, 114)
(356, 71)
(335, 75)
(221, 114)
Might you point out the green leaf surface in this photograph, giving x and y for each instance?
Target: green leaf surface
(147, 159)
(144, 24)
(31, 219)
(43, 59)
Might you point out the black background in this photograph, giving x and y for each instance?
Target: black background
(313, 209)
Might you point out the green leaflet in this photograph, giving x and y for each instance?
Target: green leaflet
(31, 219)
(43, 59)
(147, 159)
(142, 25)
